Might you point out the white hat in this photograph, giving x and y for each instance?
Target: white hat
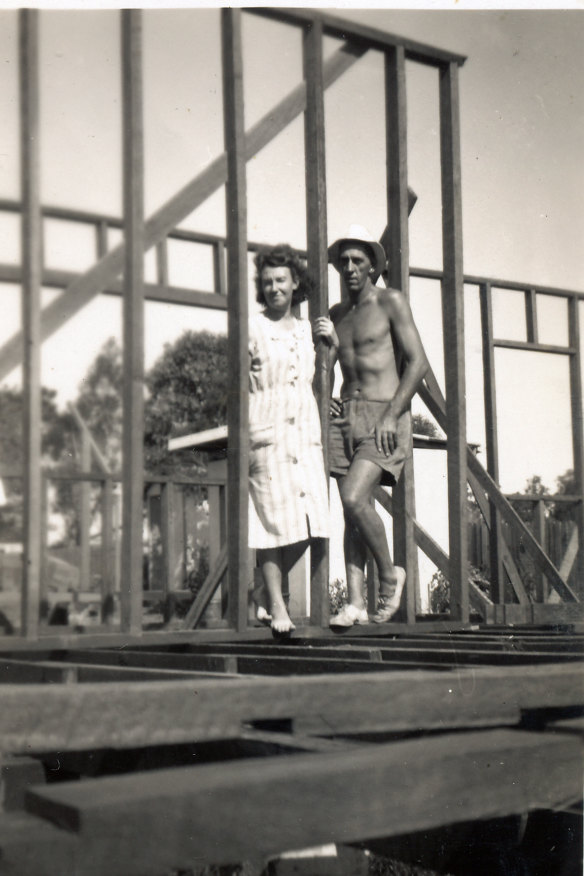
(359, 234)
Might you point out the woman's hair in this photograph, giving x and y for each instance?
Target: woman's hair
(283, 256)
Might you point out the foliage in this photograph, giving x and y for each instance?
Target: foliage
(100, 402)
(338, 595)
(187, 389)
(440, 589)
(421, 425)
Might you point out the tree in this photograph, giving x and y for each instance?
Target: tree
(421, 425)
(187, 392)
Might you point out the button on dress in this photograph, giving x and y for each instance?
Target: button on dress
(288, 499)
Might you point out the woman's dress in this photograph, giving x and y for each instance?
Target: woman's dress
(287, 483)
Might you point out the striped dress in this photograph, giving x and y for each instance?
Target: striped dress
(287, 483)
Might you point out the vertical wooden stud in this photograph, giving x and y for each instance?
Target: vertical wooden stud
(219, 278)
(404, 544)
(31, 322)
(107, 542)
(162, 262)
(531, 316)
(490, 402)
(101, 238)
(453, 323)
(576, 390)
(540, 530)
(237, 318)
(133, 319)
(316, 233)
(84, 511)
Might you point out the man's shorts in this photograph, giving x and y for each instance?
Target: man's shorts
(352, 436)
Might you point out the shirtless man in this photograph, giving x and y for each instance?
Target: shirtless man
(370, 425)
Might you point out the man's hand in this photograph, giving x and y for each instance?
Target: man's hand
(336, 407)
(386, 434)
(324, 328)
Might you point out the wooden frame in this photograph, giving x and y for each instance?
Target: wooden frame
(31, 309)
(307, 97)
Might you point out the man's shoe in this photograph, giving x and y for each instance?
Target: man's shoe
(349, 615)
(388, 603)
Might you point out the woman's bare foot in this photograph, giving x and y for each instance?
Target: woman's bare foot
(281, 622)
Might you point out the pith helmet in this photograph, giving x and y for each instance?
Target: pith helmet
(359, 234)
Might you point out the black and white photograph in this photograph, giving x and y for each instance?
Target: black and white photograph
(291, 439)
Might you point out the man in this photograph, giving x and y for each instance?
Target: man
(370, 426)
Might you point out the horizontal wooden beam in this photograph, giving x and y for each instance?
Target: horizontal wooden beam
(224, 813)
(81, 291)
(71, 717)
(533, 347)
(342, 28)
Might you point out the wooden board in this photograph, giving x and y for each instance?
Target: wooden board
(118, 714)
(223, 813)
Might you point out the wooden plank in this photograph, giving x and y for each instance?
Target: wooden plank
(162, 262)
(158, 660)
(16, 774)
(316, 236)
(404, 546)
(577, 410)
(133, 324)
(107, 540)
(531, 316)
(81, 717)
(208, 588)
(492, 439)
(539, 526)
(101, 275)
(50, 672)
(237, 319)
(504, 553)
(219, 273)
(342, 28)
(486, 483)
(29, 346)
(453, 331)
(222, 813)
(533, 347)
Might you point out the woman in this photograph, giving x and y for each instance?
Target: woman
(288, 487)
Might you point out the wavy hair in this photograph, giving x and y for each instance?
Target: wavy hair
(283, 256)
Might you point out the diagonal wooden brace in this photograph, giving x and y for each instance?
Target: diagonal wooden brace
(83, 289)
(432, 397)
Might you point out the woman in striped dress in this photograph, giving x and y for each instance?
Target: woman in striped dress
(287, 482)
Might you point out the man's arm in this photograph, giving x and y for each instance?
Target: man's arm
(324, 329)
(404, 329)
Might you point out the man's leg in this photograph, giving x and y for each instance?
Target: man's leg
(356, 490)
(355, 557)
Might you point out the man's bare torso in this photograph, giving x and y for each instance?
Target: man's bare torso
(366, 353)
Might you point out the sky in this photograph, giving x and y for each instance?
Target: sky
(522, 141)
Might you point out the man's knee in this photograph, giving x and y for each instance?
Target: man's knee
(354, 500)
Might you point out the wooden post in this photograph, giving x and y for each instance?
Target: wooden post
(404, 544)
(162, 262)
(490, 402)
(237, 317)
(133, 311)
(531, 316)
(316, 233)
(101, 239)
(453, 322)
(219, 278)
(31, 230)
(107, 539)
(577, 435)
(84, 512)
(540, 529)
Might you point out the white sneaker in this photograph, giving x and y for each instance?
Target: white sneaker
(349, 615)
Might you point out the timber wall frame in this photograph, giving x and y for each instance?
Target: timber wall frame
(229, 169)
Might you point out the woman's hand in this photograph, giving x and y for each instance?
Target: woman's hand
(324, 328)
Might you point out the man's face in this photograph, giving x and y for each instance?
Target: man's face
(355, 267)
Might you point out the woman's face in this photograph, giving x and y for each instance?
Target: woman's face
(278, 286)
